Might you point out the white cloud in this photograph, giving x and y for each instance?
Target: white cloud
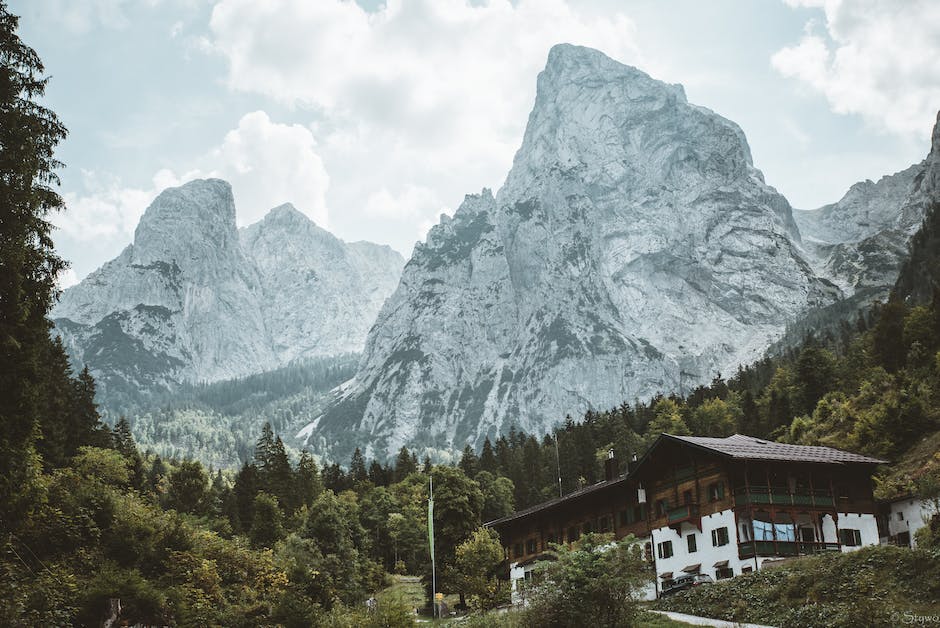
(876, 59)
(269, 164)
(432, 94)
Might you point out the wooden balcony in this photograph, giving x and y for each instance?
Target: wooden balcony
(820, 499)
(749, 549)
(685, 512)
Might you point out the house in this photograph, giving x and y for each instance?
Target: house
(906, 515)
(716, 506)
(616, 506)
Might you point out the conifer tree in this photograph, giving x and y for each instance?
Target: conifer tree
(487, 457)
(404, 466)
(29, 133)
(357, 468)
(309, 484)
(469, 462)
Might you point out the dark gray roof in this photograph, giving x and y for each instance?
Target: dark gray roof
(750, 448)
(574, 495)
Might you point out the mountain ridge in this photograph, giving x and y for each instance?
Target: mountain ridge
(195, 299)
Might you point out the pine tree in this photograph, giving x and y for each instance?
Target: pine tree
(404, 465)
(469, 462)
(309, 484)
(487, 457)
(29, 134)
(357, 468)
(246, 487)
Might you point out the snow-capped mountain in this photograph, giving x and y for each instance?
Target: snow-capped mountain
(194, 299)
(634, 248)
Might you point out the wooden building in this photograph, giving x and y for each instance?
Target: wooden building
(718, 506)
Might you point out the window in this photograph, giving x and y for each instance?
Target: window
(692, 543)
(720, 537)
(716, 491)
(661, 507)
(530, 546)
(605, 524)
(517, 550)
(744, 536)
(850, 537)
(747, 569)
(664, 549)
(639, 512)
(724, 572)
(687, 497)
(900, 516)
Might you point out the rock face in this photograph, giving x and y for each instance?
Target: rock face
(193, 299)
(633, 249)
(861, 241)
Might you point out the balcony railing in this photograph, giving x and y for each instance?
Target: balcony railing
(749, 549)
(682, 513)
(759, 495)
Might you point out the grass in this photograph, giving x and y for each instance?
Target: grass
(862, 588)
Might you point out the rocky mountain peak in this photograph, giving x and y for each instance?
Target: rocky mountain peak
(198, 216)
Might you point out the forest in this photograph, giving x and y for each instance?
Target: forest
(95, 528)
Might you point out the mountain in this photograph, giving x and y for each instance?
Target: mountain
(195, 299)
(633, 249)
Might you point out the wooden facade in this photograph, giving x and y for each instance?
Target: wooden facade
(760, 500)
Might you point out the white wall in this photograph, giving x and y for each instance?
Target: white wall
(914, 515)
(865, 523)
(706, 554)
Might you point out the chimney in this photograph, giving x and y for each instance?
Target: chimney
(632, 464)
(610, 466)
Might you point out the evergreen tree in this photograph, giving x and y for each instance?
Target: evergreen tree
(247, 485)
(309, 484)
(488, 457)
(29, 134)
(469, 462)
(404, 465)
(357, 468)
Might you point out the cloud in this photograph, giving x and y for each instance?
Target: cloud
(269, 164)
(875, 59)
(429, 93)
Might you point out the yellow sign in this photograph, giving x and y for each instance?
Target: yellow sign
(439, 597)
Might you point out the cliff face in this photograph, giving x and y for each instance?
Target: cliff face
(633, 249)
(192, 299)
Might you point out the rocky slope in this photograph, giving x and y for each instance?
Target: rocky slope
(633, 249)
(194, 300)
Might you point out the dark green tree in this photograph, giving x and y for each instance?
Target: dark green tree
(309, 484)
(404, 465)
(188, 489)
(267, 526)
(29, 133)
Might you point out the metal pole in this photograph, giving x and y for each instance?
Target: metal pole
(434, 609)
(557, 461)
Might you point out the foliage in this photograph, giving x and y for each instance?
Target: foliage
(600, 581)
(862, 588)
(478, 564)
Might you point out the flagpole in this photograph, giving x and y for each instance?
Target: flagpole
(434, 611)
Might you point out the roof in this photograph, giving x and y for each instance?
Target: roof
(744, 447)
(581, 492)
(737, 446)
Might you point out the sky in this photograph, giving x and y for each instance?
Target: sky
(375, 117)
